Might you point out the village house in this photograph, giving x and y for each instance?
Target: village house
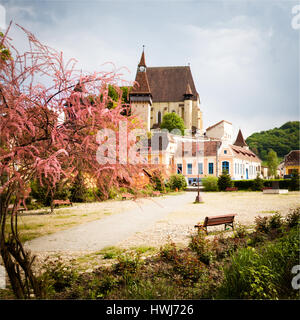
(291, 163)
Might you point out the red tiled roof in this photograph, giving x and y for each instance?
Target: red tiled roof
(142, 61)
(142, 85)
(169, 84)
(240, 140)
(243, 153)
(292, 158)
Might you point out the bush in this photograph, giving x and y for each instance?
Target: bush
(202, 247)
(79, 192)
(210, 183)
(295, 182)
(177, 181)
(224, 181)
(258, 184)
(59, 276)
(43, 195)
(243, 184)
(293, 218)
(263, 273)
(158, 182)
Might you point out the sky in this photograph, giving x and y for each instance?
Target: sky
(244, 55)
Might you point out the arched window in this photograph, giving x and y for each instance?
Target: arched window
(173, 111)
(159, 117)
(225, 166)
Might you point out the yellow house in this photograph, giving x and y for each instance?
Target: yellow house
(292, 162)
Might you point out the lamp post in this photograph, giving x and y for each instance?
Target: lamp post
(198, 197)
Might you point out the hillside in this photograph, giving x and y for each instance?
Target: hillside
(282, 140)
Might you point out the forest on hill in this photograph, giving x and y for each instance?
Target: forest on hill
(282, 140)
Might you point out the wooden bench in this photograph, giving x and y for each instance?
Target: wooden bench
(127, 196)
(227, 220)
(156, 193)
(231, 189)
(62, 202)
(20, 209)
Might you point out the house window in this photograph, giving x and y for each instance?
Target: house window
(210, 168)
(241, 169)
(200, 168)
(159, 117)
(179, 168)
(225, 166)
(225, 151)
(189, 168)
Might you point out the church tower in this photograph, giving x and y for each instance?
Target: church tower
(140, 95)
(188, 107)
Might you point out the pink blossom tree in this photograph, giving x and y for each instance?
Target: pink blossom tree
(48, 133)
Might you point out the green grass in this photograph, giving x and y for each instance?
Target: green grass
(144, 249)
(268, 211)
(110, 252)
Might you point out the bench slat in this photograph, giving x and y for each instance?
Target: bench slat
(217, 220)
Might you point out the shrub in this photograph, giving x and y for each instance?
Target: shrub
(293, 218)
(158, 182)
(261, 224)
(210, 183)
(202, 247)
(58, 276)
(224, 181)
(240, 231)
(243, 184)
(258, 184)
(177, 181)
(169, 252)
(295, 182)
(275, 221)
(43, 195)
(127, 264)
(79, 192)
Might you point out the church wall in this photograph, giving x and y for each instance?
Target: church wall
(178, 107)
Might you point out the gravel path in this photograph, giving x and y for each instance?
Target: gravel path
(108, 231)
(156, 221)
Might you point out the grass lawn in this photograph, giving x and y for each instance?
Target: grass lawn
(37, 224)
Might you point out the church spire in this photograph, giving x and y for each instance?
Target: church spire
(240, 141)
(142, 61)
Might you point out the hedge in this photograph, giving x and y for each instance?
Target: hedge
(248, 184)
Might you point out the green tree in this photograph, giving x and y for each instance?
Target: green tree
(172, 121)
(177, 181)
(258, 184)
(282, 140)
(224, 181)
(272, 162)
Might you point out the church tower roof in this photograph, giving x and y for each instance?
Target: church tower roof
(142, 61)
(141, 85)
(240, 141)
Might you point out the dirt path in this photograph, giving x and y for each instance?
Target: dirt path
(108, 231)
(157, 221)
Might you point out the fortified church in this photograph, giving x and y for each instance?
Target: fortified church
(161, 90)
